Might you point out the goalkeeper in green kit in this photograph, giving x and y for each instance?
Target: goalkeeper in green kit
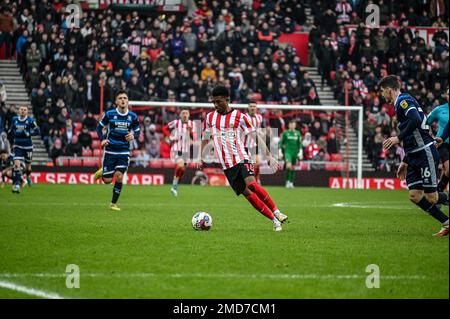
(291, 150)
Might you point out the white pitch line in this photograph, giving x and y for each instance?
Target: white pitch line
(217, 275)
(369, 206)
(29, 291)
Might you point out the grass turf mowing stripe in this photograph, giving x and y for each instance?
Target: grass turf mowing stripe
(29, 291)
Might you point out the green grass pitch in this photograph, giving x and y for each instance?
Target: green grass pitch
(149, 250)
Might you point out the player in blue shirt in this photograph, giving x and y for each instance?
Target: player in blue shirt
(440, 115)
(22, 129)
(122, 127)
(420, 163)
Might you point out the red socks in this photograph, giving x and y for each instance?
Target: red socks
(260, 206)
(263, 195)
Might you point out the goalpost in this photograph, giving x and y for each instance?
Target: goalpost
(143, 105)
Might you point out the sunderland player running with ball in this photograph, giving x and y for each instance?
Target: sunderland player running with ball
(182, 133)
(22, 129)
(122, 127)
(440, 114)
(420, 163)
(227, 127)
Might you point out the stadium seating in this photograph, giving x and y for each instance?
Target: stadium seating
(87, 152)
(91, 162)
(97, 152)
(96, 144)
(75, 162)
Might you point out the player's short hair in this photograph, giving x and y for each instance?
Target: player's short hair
(220, 90)
(4, 151)
(23, 105)
(252, 102)
(184, 109)
(390, 81)
(120, 92)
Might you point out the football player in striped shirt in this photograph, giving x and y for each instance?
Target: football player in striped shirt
(227, 128)
(182, 134)
(252, 144)
(122, 127)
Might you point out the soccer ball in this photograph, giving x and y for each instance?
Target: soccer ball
(202, 221)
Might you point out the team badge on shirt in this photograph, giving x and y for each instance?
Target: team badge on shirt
(404, 104)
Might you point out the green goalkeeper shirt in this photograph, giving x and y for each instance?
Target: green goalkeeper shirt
(291, 141)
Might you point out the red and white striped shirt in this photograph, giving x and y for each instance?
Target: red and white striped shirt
(257, 122)
(227, 132)
(181, 135)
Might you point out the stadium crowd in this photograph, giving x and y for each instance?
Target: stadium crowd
(180, 58)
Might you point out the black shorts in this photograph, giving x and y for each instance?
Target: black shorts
(443, 152)
(422, 168)
(23, 154)
(115, 162)
(237, 174)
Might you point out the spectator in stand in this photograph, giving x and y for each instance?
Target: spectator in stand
(74, 148)
(343, 10)
(85, 138)
(142, 159)
(56, 150)
(326, 57)
(208, 72)
(90, 122)
(153, 149)
(321, 156)
(377, 146)
(6, 30)
(382, 117)
(332, 144)
(164, 147)
(68, 133)
(312, 150)
(316, 130)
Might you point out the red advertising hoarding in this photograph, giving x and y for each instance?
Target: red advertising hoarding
(367, 183)
(88, 178)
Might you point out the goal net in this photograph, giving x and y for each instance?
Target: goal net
(332, 136)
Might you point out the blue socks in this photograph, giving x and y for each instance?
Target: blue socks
(433, 210)
(116, 192)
